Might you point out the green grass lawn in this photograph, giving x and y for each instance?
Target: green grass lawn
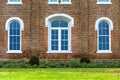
(60, 74)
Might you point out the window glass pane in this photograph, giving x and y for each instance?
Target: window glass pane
(55, 23)
(63, 23)
(107, 39)
(53, 0)
(54, 45)
(103, 42)
(64, 39)
(100, 47)
(14, 0)
(54, 39)
(103, 0)
(107, 46)
(18, 46)
(65, 0)
(100, 39)
(59, 23)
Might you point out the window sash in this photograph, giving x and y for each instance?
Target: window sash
(14, 36)
(104, 36)
(59, 46)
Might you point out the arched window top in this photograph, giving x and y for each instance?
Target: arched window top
(104, 21)
(63, 17)
(59, 23)
(14, 21)
(14, 25)
(103, 24)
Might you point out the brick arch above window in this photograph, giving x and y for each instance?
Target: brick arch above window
(104, 19)
(14, 18)
(60, 16)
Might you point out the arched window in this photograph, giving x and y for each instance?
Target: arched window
(59, 33)
(104, 27)
(14, 27)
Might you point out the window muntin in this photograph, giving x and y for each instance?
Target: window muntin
(104, 36)
(14, 36)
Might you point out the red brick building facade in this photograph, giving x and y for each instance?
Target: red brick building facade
(83, 18)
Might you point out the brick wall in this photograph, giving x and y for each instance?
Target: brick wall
(35, 34)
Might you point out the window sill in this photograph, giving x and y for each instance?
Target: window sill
(14, 3)
(14, 52)
(53, 3)
(103, 3)
(104, 51)
(54, 52)
(65, 3)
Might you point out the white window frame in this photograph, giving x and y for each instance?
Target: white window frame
(65, 2)
(48, 21)
(9, 2)
(49, 2)
(7, 25)
(98, 2)
(110, 29)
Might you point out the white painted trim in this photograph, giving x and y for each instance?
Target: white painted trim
(65, 2)
(110, 29)
(54, 52)
(65, 16)
(14, 2)
(48, 21)
(105, 19)
(103, 3)
(14, 51)
(14, 18)
(53, 2)
(7, 29)
(98, 2)
(104, 51)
